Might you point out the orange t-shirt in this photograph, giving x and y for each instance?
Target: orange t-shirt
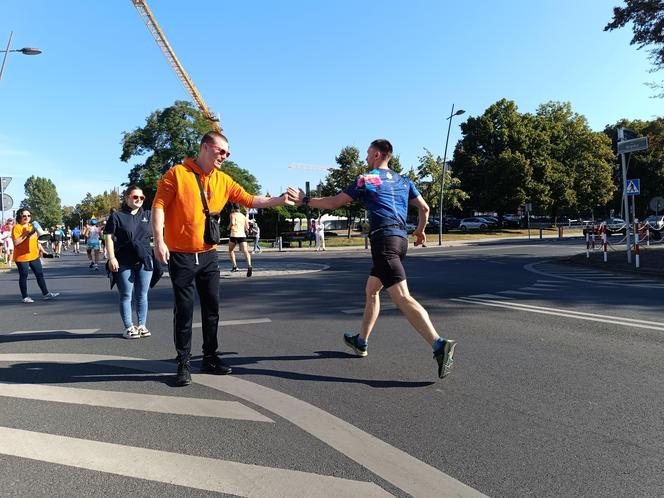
(28, 250)
(179, 196)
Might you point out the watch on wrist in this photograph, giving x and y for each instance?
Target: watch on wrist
(305, 200)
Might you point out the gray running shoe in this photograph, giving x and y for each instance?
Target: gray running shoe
(351, 341)
(445, 358)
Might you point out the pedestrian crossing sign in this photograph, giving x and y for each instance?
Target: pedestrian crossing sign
(633, 187)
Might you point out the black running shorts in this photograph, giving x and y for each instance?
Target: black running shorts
(388, 254)
(237, 240)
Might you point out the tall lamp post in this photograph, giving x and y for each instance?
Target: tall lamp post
(442, 175)
(24, 51)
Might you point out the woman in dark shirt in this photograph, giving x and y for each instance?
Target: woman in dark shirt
(128, 232)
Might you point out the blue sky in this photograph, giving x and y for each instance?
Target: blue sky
(295, 81)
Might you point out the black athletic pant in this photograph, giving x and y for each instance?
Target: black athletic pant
(187, 271)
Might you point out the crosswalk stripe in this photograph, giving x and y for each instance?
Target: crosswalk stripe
(52, 331)
(397, 467)
(133, 401)
(516, 293)
(196, 472)
(628, 322)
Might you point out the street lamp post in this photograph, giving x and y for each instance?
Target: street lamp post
(24, 51)
(442, 175)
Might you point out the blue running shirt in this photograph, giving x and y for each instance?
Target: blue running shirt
(385, 194)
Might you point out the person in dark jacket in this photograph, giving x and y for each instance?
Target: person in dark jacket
(128, 233)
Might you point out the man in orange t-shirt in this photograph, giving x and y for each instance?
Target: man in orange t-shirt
(178, 224)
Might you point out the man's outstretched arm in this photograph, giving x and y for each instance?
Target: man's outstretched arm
(288, 198)
(332, 202)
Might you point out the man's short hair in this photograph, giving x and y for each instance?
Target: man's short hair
(383, 146)
(211, 136)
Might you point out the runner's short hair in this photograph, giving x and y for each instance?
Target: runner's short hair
(211, 136)
(383, 146)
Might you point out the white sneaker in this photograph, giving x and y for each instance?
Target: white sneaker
(51, 295)
(131, 333)
(143, 331)
(28, 300)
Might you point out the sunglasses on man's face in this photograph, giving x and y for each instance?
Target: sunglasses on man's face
(138, 197)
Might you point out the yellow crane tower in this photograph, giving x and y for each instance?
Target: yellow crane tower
(153, 27)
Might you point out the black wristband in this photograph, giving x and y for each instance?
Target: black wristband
(306, 200)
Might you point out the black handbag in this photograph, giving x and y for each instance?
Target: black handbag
(212, 233)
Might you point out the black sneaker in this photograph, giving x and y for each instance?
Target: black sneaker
(249, 271)
(234, 269)
(183, 377)
(445, 358)
(91, 265)
(351, 342)
(214, 365)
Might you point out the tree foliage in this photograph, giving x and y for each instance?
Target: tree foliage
(427, 181)
(350, 167)
(41, 197)
(647, 18)
(551, 158)
(647, 165)
(170, 135)
(99, 205)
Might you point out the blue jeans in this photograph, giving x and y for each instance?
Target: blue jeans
(24, 268)
(257, 247)
(133, 279)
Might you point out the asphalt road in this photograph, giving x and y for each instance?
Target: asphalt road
(556, 389)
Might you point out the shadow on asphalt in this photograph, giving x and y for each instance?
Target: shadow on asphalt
(69, 373)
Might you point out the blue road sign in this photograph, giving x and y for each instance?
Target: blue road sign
(633, 187)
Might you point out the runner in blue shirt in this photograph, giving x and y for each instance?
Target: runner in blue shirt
(386, 196)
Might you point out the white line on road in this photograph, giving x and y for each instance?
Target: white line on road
(133, 401)
(392, 464)
(209, 474)
(228, 323)
(53, 331)
(517, 293)
(628, 322)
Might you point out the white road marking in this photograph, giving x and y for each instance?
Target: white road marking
(392, 464)
(133, 401)
(591, 276)
(628, 322)
(490, 296)
(227, 323)
(517, 293)
(196, 472)
(54, 331)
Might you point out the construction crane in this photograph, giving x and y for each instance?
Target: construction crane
(153, 27)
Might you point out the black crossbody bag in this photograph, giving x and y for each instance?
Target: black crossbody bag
(212, 233)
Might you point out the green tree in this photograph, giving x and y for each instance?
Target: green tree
(647, 18)
(70, 217)
(490, 161)
(577, 161)
(169, 135)
(350, 167)
(99, 205)
(427, 181)
(41, 197)
(647, 165)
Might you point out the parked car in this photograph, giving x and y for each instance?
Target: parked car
(656, 222)
(615, 225)
(474, 223)
(493, 221)
(512, 220)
